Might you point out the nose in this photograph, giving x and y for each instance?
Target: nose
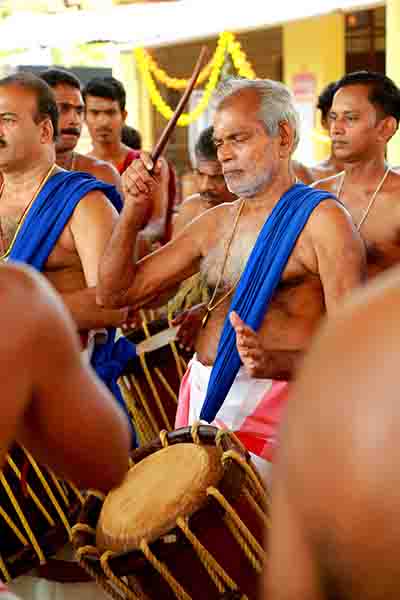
(336, 126)
(206, 184)
(74, 118)
(101, 120)
(224, 152)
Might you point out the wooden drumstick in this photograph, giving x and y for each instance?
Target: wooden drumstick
(162, 142)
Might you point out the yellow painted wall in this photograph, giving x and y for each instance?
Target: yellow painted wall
(129, 77)
(393, 64)
(315, 46)
(140, 112)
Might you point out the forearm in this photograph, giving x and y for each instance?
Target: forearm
(117, 268)
(86, 312)
(147, 237)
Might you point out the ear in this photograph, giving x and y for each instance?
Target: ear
(286, 137)
(124, 115)
(46, 131)
(325, 122)
(387, 127)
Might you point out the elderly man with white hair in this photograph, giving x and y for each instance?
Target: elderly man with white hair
(276, 259)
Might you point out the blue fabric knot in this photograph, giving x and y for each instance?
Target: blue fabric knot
(109, 360)
(258, 283)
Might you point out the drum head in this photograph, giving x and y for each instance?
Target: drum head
(165, 485)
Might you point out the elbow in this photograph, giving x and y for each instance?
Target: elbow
(116, 464)
(113, 475)
(109, 299)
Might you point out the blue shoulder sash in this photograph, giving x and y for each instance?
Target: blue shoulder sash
(258, 283)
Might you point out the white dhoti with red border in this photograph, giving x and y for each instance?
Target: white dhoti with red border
(253, 409)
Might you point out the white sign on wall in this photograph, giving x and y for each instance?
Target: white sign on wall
(304, 88)
(204, 121)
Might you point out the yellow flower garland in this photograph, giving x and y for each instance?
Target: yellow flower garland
(173, 82)
(148, 67)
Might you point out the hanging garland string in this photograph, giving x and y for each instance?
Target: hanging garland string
(150, 71)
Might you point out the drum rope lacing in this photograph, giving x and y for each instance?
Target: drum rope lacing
(18, 510)
(146, 428)
(145, 422)
(255, 492)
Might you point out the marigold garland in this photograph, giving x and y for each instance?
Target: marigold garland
(148, 67)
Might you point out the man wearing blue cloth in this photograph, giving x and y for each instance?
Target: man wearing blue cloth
(58, 222)
(276, 260)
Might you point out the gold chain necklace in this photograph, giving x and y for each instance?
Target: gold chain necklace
(72, 166)
(210, 305)
(373, 197)
(26, 210)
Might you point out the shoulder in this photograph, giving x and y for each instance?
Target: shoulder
(330, 213)
(330, 225)
(194, 203)
(105, 171)
(17, 279)
(392, 184)
(94, 208)
(302, 172)
(209, 223)
(29, 304)
(98, 168)
(197, 204)
(222, 212)
(323, 170)
(329, 184)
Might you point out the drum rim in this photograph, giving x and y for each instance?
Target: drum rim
(230, 486)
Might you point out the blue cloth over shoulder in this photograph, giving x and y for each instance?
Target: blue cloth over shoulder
(258, 283)
(39, 232)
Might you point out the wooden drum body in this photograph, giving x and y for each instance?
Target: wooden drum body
(150, 386)
(37, 512)
(188, 522)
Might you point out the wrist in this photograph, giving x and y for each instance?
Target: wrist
(134, 216)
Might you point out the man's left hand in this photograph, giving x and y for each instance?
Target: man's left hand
(249, 346)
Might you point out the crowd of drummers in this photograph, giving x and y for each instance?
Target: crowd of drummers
(199, 393)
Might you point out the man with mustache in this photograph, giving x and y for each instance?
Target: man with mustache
(67, 90)
(237, 246)
(365, 115)
(55, 220)
(58, 221)
(210, 179)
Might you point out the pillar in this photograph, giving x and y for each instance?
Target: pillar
(314, 54)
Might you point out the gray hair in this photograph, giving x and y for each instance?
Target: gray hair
(277, 103)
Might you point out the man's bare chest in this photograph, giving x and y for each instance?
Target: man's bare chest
(380, 231)
(8, 230)
(224, 264)
(382, 242)
(62, 256)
